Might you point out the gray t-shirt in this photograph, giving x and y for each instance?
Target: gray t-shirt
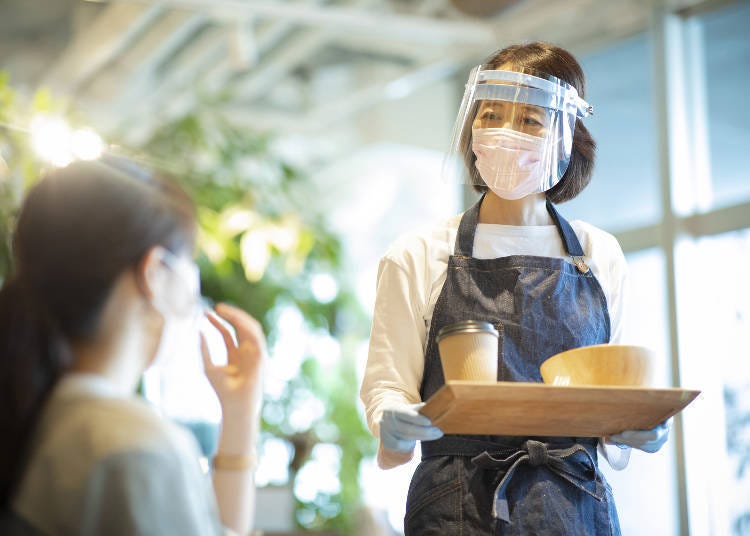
(107, 464)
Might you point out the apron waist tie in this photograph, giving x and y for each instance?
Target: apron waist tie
(536, 454)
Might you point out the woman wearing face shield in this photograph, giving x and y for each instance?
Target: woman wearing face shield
(511, 260)
(103, 282)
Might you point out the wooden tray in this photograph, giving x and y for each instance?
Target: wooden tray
(537, 409)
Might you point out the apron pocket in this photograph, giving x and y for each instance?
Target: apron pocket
(433, 505)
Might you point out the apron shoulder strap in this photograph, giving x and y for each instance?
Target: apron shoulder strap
(466, 229)
(569, 238)
(568, 235)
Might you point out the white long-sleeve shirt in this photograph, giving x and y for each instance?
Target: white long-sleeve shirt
(411, 276)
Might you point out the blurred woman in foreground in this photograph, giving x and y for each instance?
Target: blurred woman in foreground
(104, 284)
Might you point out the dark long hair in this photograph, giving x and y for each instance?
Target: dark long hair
(558, 62)
(79, 228)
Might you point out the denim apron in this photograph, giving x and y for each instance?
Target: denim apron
(512, 485)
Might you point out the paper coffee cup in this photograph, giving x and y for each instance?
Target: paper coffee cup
(468, 351)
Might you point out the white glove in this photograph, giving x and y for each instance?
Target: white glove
(645, 440)
(402, 426)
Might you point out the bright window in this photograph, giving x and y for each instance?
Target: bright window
(714, 321)
(624, 191)
(727, 56)
(645, 490)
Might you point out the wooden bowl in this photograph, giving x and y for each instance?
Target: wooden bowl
(602, 364)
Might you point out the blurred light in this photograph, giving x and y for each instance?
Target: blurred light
(320, 474)
(290, 320)
(283, 237)
(304, 414)
(306, 516)
(236, 220)
(53, 140)
(203, 462)
(324, 288)
(364, 288)
(273, 413)
(328, 454)
(273, 466)
(288, 351)
(361, 353)
(85, 144)
(50, 139)
(387, 490)
(255, 254)
(325, 349)
(213, 249)
(285, 364)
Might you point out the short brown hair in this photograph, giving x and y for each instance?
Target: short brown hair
(553, 60)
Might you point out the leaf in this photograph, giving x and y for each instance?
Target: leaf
(42, 101)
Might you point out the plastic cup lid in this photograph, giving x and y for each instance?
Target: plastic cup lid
(467, 326)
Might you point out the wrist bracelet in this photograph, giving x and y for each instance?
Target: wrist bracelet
(239, 462)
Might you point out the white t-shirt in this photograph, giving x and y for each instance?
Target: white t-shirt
(104, 464)
(411, 277)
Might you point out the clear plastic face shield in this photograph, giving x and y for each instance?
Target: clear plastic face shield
(514, 131)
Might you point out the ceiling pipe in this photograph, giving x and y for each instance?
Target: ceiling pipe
(417, 29)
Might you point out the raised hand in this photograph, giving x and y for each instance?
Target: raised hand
(238, 383)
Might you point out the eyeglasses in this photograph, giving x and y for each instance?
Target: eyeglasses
(185, 296)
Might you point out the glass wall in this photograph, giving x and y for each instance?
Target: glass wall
(645, 489)
(624, 191)
(727, 58)
(714, 312)
(713, 291)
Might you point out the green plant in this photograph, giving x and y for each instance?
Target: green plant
(262, 244)
(17, 168)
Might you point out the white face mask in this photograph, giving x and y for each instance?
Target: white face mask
(178, 301)
(510, 162)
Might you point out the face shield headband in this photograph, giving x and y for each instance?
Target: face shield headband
(514, 131)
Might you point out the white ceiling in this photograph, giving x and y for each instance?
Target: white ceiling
(297, 64)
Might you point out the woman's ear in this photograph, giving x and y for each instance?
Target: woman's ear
(150, 273)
